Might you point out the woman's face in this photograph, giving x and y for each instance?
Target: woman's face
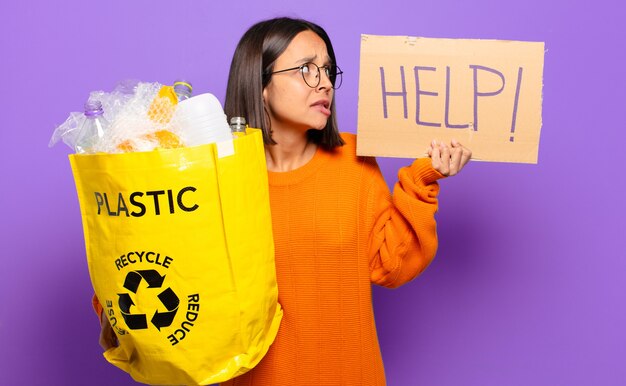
(289, 101)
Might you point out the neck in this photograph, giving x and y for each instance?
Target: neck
(292, 150)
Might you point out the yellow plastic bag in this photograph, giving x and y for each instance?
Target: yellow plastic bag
(181, 256)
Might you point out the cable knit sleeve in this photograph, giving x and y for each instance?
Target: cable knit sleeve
(403, 235)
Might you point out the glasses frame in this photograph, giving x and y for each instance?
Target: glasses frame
(319, 78)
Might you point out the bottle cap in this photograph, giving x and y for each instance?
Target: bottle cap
(93, 108)
(238, 121)
(183, 83)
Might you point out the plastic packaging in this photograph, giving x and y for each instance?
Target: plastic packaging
(93, 128)
(183, 90)
(68, 130)
(163, 105)
(146, 116)
(143, 126)
(202, 120)
(112, 104)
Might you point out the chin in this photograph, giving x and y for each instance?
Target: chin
(319, 125)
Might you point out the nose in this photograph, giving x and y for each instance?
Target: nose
(325, 82)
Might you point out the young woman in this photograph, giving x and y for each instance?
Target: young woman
(336, 227)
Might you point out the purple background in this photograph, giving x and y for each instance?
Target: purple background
(528, 286)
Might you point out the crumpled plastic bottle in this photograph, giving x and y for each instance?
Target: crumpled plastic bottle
(93, 129)
(68, 130)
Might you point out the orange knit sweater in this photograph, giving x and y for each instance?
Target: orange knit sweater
(337, 229)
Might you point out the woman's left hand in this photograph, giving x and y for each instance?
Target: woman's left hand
(449, 160)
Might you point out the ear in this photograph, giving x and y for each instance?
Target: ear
(264, 96)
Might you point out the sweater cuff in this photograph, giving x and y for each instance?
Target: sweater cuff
(423, 172)
(97, 307)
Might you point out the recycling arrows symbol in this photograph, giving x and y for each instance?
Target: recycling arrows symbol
(167, 297)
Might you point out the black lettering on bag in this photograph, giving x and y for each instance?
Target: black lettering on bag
(141, 208)
(180, 199)
(138, 204)
(170, 200)
(106, 203)
(143, 257)
(99, 200)
(190, 317)
(121, 205)
(156, 194)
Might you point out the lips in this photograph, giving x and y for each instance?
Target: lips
(323, 105)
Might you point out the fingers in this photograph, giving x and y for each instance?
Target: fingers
(435, 156)
(445, 159)
(455, 161)
(440, 156)
(449, 160)
(466, 156)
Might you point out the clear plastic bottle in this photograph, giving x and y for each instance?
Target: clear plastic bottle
(238, 126)
(93, 129)
(183, 90)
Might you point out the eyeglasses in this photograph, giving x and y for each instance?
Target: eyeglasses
(311, 74)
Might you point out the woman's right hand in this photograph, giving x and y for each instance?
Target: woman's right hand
(108, 338)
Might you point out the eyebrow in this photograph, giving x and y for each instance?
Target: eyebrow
(310, 59)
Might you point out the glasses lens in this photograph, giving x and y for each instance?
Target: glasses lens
(310, 73)
(334, 74)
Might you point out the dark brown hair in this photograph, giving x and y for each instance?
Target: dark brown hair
(252, 63)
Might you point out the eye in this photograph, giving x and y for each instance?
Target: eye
(306, 68)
